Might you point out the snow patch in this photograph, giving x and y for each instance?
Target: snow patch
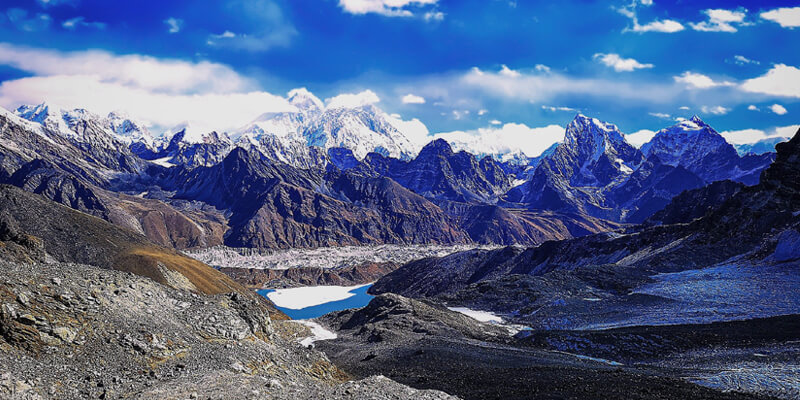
(482, 316)
(318, 332)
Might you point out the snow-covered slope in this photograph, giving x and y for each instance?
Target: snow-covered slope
(697, 147)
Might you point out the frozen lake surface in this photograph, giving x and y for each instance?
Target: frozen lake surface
(316, 301)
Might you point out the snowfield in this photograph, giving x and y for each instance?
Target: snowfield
(323, 257)
(482, 316)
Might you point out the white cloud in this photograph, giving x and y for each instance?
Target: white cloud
(778, 109)
(684, 108)
(560, 108)
(20, 19)
(542, 68)
(620, 64)
(143, 72)
(76, 22)
(174, 25)
(748, 136)
(413, 99)
(389, 8)
(495, 122)
(537, 87)
(660, 115)
(205, 112)
(483, 111)
(721, 20)
(414, 130)
(780, 80)
(504, 139)
(508, 72)
(716, 110)
(640, 138)
(787, 17)
(663, 26)
(752, 107)
(699, 81)
(742, 60)
(350, 100)
(161, 92)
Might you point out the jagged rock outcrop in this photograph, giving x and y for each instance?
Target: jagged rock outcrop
(439, 173)
(748, 228)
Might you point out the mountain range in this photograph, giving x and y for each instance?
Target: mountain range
(329, 175)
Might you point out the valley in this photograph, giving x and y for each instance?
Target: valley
(598, 269)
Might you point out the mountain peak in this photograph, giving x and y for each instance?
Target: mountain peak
(436, 147)
(304, 100)
(592, 130)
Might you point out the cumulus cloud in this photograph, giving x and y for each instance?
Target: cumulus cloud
(504, 139)
(413, 99)
(174, 25)
(780, 80)
(660, 115)
(663, 26)
(721, 20)
(699, 81)
(787, 17)
(620, 64)
(748, 136)
(161, 92)
(778, 109)
(640, 138)
(715, 110)
(752, 107)
(389, 8)
(148, 73)
(535, 86)
(77, 22)
(350, 100)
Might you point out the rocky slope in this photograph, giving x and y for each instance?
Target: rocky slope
(428, 346)
(310, 276)
(73, 331)
(175, 328)
(439, 173)
(755, 227)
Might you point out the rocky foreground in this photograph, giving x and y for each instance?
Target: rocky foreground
(425, 345)
(92, 311)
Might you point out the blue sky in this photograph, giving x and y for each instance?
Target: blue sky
(477, 64)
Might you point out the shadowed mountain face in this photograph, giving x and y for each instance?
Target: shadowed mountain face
(236, 193)
(439, 173)
(755, 226)
(596, 172)
(71, 236)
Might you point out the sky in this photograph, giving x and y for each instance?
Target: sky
(498, 74)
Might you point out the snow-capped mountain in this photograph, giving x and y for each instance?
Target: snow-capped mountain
(129, 130)
(362, 129)
(594, 154)
(694, 145)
